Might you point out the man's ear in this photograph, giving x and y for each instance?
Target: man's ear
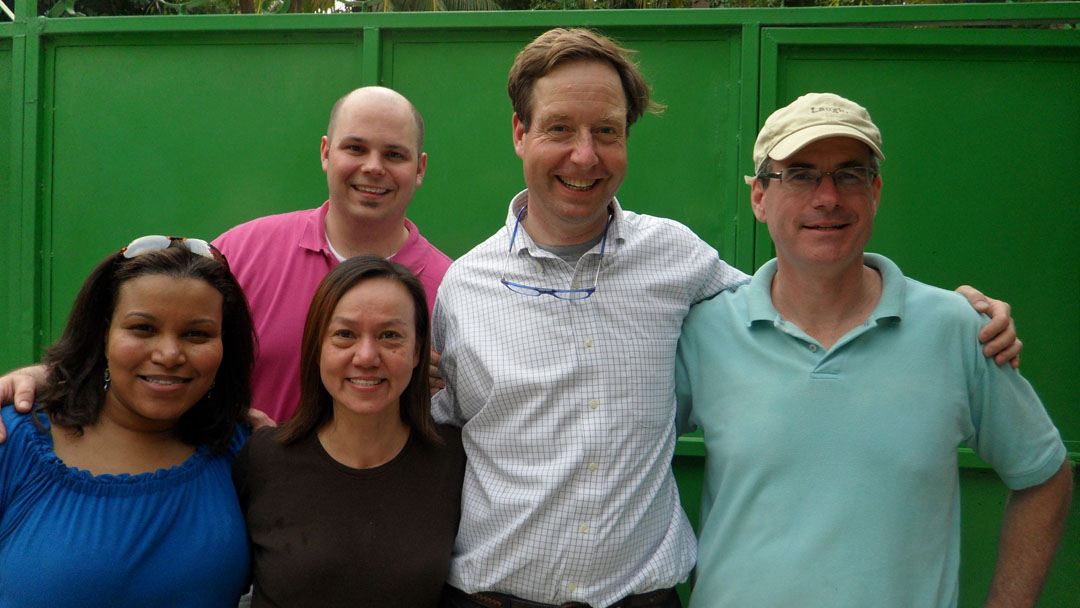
(421, 167)
(757, 196)
(324, 153)
(519, 136)
(876, 188)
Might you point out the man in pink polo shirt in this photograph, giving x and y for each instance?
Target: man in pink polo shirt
(373, 158)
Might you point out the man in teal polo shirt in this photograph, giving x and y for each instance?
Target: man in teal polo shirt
(832, 393)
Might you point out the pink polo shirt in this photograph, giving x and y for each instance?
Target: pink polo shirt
(279, 260)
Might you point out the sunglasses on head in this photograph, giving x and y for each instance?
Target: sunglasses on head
(157, 242)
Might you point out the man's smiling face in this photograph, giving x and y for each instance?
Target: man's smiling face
(824, 226)
(372, 160)
(574, 151)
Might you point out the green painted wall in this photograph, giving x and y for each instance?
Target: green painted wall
(120, 127)
(473, 171)
(179, 135)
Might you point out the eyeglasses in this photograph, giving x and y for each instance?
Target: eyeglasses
(156, 242)
(805, 179)
(562, 294)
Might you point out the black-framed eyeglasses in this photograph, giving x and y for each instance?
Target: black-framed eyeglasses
(562, 294)
(805, 179)
(157, 242)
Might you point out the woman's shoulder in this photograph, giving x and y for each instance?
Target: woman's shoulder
(451, 435)
(16, 452)
(451, 451)
(239, 439)
(23, 436)
(14, 419)
(262, 442)
(264, 448)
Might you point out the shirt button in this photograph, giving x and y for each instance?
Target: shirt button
(584, 529)
(812, 347)
(593, 403)
(539, 268)
(571, 587)
(576, 284)
(593, 466)
(588, 342)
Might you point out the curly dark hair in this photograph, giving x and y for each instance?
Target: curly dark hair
(316, 406)
(73, 395)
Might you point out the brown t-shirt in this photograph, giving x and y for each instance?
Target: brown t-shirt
(324, 534)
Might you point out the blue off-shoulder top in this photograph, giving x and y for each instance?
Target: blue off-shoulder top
(174, 537)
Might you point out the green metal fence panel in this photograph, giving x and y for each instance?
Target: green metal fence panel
(983, 502)
(180, 134)
(189, 125)
(458, 82)
(682, 161)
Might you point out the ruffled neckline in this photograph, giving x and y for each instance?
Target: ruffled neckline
(41, 446)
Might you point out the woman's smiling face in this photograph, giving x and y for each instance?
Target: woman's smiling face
(163, 348)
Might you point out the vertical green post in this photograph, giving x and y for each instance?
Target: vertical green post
(25, 10)
(372, 57)
(750, 76)
(22, 300)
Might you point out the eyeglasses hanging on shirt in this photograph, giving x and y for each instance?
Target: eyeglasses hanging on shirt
(562, 294)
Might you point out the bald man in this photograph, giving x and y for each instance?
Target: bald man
(373, 158)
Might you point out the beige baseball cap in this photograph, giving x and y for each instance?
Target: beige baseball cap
(812, 117)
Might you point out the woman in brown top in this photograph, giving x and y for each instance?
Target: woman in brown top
(356, 500)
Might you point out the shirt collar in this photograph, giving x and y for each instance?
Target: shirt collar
(313, 236)
(524, 241)
(759, 305)
(410, 254)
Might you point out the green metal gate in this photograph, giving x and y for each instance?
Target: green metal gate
(124, 126)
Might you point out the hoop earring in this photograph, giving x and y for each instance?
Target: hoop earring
(108, 378)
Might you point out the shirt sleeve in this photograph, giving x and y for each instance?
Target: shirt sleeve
(444, 408)
(1012, 430)
(12, 457)
(683, 389)
(718, 275)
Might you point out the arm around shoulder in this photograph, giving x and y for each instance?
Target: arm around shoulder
(19, 387)
(998, 335)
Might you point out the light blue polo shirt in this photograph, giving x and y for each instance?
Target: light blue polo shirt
(831, 475)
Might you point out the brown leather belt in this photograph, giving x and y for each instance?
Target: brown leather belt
(502, 600)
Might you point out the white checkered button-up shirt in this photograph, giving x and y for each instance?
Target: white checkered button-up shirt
(568, 409)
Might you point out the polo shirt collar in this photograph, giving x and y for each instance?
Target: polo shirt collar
(313, 236)
(891, 304)
(759, 305)
(411, 254)
(524, 241)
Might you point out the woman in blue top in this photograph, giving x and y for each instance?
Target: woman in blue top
(116, 491)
